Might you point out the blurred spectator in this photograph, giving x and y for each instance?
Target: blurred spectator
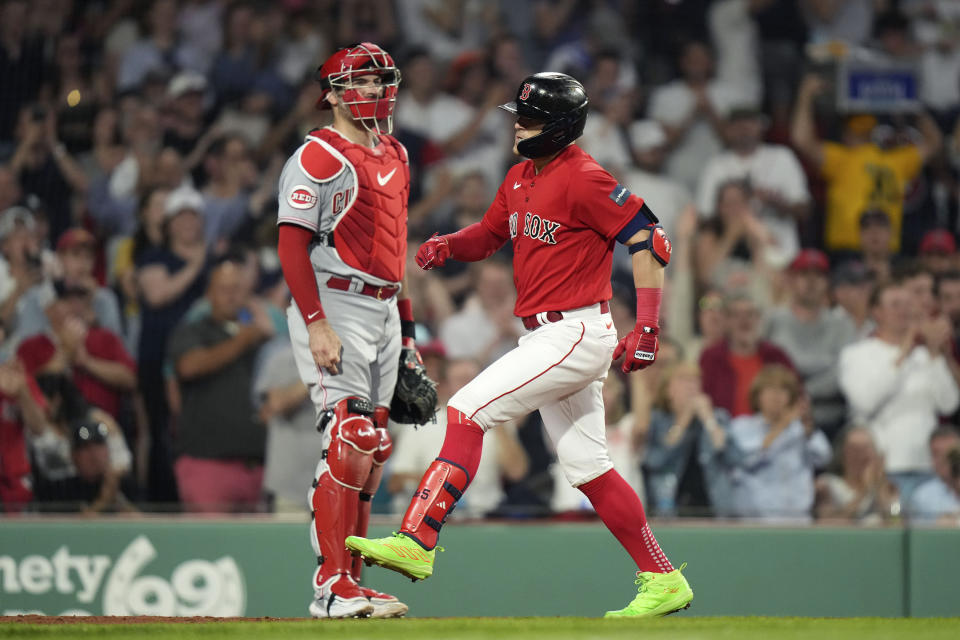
(941, 59)
(780, 447)
(667, 198)
(710, 322)
(778, 184)
(45, 168)
(859, 174)
(94, 486)
(415, 449)
(732, 244)
(860, 491)
(686, 448)
(112, 215)
(897, 387)
(691, 109)
(183, 115)
(485, 327)
(735, 36)
(293, 444)
(852, 283)
(20, 261)
(169, 279)
(22, 413)
(920, 284)
(470, 132)
(10, 192)
(93, 356)
(730, 366)
(812, 336)
(848, 21)
(370, 21)
(226, 196)
(21, 68)
(76, 253)
(938, 252)
(876, 240)
(938, 499)
(446, 29)
(604, 135)
(159, 50)
(948, 298)
(221, 444)
(200, 25)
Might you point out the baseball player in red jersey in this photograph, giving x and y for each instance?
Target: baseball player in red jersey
(563, 212)
(342, 216)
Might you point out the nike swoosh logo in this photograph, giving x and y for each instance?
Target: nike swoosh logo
(385, 179)
(310, 316)
(516, 185)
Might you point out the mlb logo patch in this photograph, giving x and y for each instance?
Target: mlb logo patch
(620, 194)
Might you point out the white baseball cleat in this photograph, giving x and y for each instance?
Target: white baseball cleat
(384, 604)
(340, 597)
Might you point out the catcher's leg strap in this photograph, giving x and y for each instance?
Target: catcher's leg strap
(440, 488)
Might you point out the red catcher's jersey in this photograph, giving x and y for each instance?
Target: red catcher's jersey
(563, 223)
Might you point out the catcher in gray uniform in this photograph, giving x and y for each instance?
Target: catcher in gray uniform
(343, 241)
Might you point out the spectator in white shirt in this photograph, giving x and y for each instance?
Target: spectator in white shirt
(485, 327)
(777, 180)
(898, 387)
(938, 499)
(691, 109)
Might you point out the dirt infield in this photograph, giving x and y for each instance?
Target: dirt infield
(133, 619)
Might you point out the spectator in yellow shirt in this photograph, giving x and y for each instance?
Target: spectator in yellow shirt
(859, 174)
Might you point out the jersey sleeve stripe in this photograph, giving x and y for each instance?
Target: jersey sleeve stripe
(300, 222)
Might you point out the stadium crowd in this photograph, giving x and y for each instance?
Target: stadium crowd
(811, 332)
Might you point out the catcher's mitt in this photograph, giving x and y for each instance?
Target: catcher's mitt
(415, 396)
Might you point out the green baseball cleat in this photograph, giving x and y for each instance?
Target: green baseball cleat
(660, 594)
(397, 553)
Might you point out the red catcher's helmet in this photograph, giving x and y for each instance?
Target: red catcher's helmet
(365, 58)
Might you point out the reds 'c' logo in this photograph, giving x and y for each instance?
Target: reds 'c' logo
(525, 93)
(302, 197)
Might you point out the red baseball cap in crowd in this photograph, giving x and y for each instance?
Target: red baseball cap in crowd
(811, 260)
(938, 241)
(76, 237)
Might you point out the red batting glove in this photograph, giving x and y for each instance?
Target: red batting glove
(433, 253)
(639, 347)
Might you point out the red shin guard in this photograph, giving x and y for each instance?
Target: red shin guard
(373, 483)
(445, 481)
(440, 488)
(334, 518)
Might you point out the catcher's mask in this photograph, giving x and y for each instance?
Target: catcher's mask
(363, 59)
(559, 102)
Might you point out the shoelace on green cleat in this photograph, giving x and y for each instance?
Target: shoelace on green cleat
(400, 535)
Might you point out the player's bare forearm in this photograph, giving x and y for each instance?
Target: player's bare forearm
(647, 271)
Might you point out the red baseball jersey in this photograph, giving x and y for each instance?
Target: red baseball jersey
(563, 222)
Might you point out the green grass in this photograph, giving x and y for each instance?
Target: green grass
(675, 628)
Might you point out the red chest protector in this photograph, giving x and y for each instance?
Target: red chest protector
(370, 233)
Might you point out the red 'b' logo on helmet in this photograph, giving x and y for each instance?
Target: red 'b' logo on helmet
(525, 93)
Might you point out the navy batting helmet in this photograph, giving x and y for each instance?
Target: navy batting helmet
(556, 100)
